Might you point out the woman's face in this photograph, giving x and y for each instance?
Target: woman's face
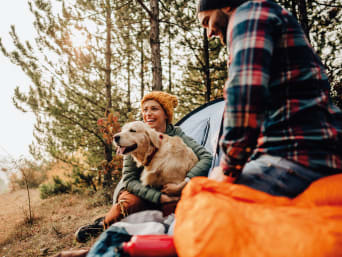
(154, 115)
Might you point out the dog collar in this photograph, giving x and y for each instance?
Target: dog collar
(150, 157)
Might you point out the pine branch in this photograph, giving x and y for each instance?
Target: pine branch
(325, 4)
(146, 9)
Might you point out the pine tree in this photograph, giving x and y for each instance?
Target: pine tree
(153, 13)
(326, 29)
(132, 26)
(71, 86)
(74, 85)
(204, 60)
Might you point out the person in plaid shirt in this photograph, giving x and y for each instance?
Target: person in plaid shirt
(281, 130)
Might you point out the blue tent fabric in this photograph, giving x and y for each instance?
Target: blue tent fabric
(108, 243)
(204, 124)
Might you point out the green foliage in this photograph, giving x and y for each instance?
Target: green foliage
(83, 179)
(336, 93)
(73, 86)
(198, 65)
(58, 186)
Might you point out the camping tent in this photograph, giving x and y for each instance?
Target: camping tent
(204, 125)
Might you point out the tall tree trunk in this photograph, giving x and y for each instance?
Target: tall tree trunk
(108, 58)
(108, 147)
(129, 79)
(155, 46)
(206, 66)
(170, 59)
(303, 17)
(142, 82)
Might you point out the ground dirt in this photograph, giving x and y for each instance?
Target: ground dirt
(54, 222)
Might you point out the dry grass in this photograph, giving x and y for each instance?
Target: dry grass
(55, 221)
(13, 209)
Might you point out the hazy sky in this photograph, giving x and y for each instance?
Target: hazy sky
(16, 127)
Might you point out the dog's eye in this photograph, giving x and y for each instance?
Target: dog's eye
(132, 130)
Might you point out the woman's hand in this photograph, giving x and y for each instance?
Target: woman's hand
(173, 189)
(168, 199)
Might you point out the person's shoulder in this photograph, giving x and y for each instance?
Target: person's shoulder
(178, 130)
(173, 130)
(257, 10)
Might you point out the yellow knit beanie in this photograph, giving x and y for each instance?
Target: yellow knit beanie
(167, 101)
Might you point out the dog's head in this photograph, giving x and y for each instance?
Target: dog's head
(135, 137)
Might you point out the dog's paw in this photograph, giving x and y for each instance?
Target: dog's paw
(148, 178)
(143, 179)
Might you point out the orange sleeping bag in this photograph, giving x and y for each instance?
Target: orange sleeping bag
(216, 219)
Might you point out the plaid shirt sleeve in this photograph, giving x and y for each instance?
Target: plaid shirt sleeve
(250, 46)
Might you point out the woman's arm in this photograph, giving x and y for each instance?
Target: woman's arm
(131, 180)
(204, 157)
(131, 173)
(200, 169)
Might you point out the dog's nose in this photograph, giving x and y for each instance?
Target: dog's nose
(117, 139)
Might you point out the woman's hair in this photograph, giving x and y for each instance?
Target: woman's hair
(167, 101)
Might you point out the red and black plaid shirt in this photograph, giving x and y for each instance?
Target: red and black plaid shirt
(277, 94)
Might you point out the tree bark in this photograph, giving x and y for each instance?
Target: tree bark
(155, 47)
(108, 147)
(129, 53)
(293, 7)
(170, 58)
(303, 17)
(206, 66)
(142, 82)
(108, 58)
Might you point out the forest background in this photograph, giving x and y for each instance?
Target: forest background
(89, 66)
(92, 61)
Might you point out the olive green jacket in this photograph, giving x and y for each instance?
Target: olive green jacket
(130, 180)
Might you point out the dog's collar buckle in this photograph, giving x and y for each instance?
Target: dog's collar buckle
(150, 157)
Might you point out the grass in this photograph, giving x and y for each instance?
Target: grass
(54, 223)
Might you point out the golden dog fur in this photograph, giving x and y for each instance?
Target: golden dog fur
(165, 159)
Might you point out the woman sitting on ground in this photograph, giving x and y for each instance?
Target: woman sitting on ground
(130, 195)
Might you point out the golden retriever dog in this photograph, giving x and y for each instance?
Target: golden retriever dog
(165, 159)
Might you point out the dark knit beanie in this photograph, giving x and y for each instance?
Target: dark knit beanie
(205, 5)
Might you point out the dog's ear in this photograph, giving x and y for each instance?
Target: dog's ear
(155, 137)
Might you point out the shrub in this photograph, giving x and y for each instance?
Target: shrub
(84, 179)
(58, 186)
